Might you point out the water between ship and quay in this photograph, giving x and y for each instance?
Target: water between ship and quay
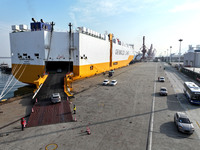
(119, 117)
(9, 85)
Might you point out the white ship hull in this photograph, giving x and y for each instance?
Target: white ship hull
(84, 54)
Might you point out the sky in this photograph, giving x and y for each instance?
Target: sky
(162, 22)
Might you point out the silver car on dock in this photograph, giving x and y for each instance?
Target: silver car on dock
(183, 123)
(55, 98)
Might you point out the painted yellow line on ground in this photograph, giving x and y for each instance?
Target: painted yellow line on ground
(3, 100)
(50, 146)
(198, 124)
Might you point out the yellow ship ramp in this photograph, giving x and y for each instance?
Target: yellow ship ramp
(53, 84)
(43, 111)
(68, 84)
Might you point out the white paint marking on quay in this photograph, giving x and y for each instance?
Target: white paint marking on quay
(149, 146)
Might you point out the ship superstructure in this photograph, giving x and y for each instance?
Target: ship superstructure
(84, 52)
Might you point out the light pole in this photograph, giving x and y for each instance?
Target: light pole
(170, 54)
(180, 40)
(167, 56)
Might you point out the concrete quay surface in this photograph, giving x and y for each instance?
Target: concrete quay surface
(130, 115)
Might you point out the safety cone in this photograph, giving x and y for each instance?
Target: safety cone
(32, 110)
(88, 131)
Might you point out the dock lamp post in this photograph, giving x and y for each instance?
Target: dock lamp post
(167, 56)
(180, 40)
(170, 58)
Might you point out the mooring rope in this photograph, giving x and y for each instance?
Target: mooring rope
(2, 94)
(9, 80)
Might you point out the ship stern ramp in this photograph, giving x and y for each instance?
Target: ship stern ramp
(44, 112)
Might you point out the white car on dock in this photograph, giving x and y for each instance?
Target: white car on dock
(106, 82)
(163, 91)
(113, 82)
(161, 79)
(55, 98)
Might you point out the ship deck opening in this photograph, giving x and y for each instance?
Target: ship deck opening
(52, 66)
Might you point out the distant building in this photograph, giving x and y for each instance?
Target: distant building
(175, 58)
(192, 57)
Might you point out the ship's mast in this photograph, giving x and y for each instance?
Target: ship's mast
(70, 42)
(52, 24)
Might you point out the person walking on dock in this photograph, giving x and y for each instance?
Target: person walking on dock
(74, 109)
(23, 123)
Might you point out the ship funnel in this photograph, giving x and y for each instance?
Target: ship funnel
(34, 20)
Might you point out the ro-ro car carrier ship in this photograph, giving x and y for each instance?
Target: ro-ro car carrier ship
(84, 52)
